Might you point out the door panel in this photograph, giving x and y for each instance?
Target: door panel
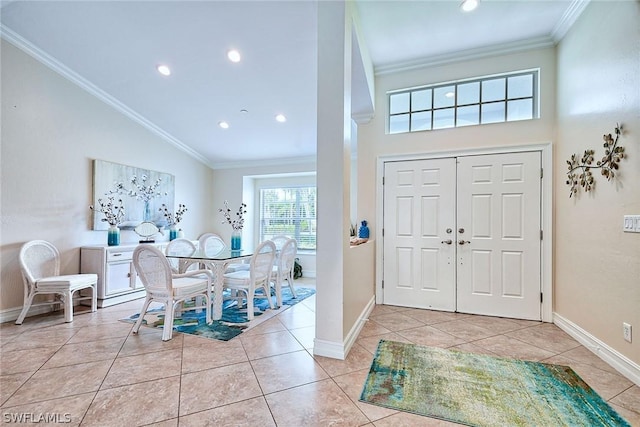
(499, 252)
(419, 205)
(490, 205)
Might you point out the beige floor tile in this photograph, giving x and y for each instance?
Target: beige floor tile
(372, 328)
(352, 385)
(150, 341)
(300, 369)
(430, 317)
(497, 325)
(217, 387)
(298, 316)
(381, 309)
(60, 382)
(606, 384)
(357, 359)
(102, 332)
(464, 330)
(265, 345)
(629, 399)
(10, 383)
(166, 423)
(583, 355)
(28, 360)
(396, 321)
(143, 367)
(212, 354)
(135, 404)
(46, 337)
(67, 411)
(305, 336)
(505, 346)
(271, 325)
(248, 413)
(71, 354)
(319, 404)
(405, 419)
(430, 336)
(545, 336)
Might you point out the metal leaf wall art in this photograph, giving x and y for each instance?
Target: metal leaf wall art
(580, 169)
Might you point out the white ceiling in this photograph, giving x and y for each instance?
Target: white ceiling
(111, 48)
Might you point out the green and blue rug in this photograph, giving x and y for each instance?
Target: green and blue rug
(479, 390)
(233, 322)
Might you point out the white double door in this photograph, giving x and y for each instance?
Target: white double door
(463, 234)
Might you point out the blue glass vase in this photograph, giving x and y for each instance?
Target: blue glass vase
(113, 236)
(173, 232)
(363, 232)
(236, 240)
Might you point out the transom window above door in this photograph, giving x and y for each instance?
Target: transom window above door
(482, 100)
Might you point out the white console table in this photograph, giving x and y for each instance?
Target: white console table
(117, 278)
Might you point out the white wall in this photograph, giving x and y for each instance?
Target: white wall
(597, 265)
(51, 132)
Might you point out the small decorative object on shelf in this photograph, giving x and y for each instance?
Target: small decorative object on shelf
(113, 214)
(363, 232)
(580, 170)
(173, 220)
(236, 224)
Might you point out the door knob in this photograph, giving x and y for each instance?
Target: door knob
(462, 242)
(448, 241)
(460, 230)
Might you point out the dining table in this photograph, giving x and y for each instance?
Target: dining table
(217, 261)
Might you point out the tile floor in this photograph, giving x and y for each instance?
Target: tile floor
(94, 372)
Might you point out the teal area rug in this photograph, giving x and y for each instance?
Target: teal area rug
(479, 390)
(234, 320)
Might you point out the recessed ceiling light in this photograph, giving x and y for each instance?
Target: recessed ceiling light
(233, 55)
(223, 125)
(244, 111)
(469, 5)
(281, 118)
(164, 70)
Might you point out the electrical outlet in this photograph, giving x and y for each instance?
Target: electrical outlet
(626, 332)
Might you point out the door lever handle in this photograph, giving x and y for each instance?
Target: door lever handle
(462, 242)
(448, 241)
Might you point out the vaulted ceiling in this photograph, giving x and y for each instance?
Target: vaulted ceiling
(112, 49)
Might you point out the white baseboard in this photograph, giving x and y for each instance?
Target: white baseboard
(11, 314)
(618, 361)
(337, 350)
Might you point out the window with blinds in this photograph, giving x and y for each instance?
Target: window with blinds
(290, 211)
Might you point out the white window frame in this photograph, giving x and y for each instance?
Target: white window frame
(535, 97)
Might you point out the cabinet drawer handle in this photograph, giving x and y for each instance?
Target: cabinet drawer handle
(117, 254)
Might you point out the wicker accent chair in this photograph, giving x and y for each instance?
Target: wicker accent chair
(40, 267)
(283, 269)
(170, 289)
(244, 283)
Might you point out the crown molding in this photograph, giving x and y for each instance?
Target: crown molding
(569, 18)
(466, 55)
(266, 162)
(21, 43)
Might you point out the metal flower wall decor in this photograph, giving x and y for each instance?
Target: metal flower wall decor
(579, 172)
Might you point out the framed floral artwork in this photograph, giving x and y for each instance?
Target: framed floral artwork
(142, 191)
